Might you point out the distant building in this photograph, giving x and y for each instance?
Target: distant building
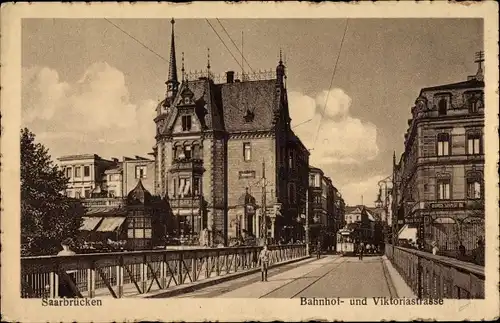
(326, 207)
(85, 173)
(438, 181)
(217, 143)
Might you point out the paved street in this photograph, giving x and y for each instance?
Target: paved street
(330, 276)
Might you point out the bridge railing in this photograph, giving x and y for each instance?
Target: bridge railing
(432, 276)
(122, 274)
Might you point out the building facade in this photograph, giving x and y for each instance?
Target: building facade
(219, 144)
(85, 173)
(438, 184)
(327, 208)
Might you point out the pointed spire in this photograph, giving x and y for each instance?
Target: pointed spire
(172, 71)
(394, 157)
(280, 71)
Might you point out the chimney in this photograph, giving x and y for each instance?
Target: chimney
(115, 160)
(230, 76)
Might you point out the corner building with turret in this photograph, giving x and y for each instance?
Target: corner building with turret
(225, 149)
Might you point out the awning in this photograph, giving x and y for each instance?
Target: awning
(106, 211)
(186, 212)
(111, 224)
(89, 223)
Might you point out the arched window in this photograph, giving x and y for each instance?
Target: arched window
(442, 107)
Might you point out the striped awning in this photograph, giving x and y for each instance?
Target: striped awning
(111, 224)
(90, 223)
(184, 212)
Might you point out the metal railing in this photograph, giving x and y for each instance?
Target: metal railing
(432, 276)
(125, 274)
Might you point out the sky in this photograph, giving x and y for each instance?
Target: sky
(88, 87)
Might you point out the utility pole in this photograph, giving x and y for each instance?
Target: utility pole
(263, 212)
(307, 221)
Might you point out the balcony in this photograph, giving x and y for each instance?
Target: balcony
(190, 164)
(185, 203)
(99, 202)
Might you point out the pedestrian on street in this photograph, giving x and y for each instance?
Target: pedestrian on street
(361, 250)
(264, 262)
(318, 249)
(64, 288)
(435, 248)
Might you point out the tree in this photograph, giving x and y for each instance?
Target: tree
(47, 216)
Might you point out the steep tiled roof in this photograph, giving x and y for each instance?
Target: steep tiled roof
(224, 106)
(255, 96)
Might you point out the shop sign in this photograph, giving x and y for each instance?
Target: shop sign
(447, 205)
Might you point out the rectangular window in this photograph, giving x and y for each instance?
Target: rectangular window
(68, 172)
(443, 189)
(147, 233)
(186, 123)
(187, 187)
(291, 160)
(473, 144)
(474, 189)
(317, 180)
(196, 186)
(139, 233)
(443, 148)
(311, 180)
(182, 184)
(130, 233)
(87, 193)
(78, 172)
(140, 171)
(86, 171)
(247, 151)
(78, 194)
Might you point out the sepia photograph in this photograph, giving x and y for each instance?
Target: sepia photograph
(334, 161)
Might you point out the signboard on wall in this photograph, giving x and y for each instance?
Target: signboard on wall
(447, 205)
(247, 174)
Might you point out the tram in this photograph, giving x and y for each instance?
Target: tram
(346, 241)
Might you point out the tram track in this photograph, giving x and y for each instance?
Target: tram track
(342, 261)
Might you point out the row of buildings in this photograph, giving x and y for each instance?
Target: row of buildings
(438, 183)
(226, 163)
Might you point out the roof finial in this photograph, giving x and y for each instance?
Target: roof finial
(182, 69)
(208, 62)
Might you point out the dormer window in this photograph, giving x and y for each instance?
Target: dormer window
(187, 100)
(249, 116)
(186, 123)
(442, 107)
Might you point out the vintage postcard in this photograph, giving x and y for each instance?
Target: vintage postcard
(249, 162)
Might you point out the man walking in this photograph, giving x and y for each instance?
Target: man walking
(264, 262)
(318, 249)
(361, 249)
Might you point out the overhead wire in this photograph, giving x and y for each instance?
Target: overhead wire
(235, 46)
(220, 38)
(331, 81)
(137, 40)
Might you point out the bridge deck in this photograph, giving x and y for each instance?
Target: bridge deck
(330, 276)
